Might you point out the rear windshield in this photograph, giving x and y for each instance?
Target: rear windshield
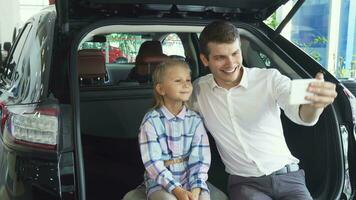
(125, 58)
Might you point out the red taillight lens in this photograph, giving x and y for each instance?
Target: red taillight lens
(3, 115)
(33, 127)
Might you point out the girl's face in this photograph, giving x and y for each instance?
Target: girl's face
(176, 86)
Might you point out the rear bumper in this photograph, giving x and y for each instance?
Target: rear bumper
(22, 176)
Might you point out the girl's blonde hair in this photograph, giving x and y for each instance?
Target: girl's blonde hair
(158, 77)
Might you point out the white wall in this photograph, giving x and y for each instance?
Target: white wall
(14, 13)
(30, 7)
(9, 18)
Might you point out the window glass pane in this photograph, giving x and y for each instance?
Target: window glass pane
(308, 33)
(272, 21)
(276, 18)
(14, 59)
(172, 45)
(118, 48)
(326, 30)
(114, 57)
(346, 59)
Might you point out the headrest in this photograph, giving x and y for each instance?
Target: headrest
(91, 63)
(154, 59)
(149, 48)
(90, 52)
(142, 72)
(148, 57)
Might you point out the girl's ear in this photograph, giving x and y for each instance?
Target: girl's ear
(160, 90)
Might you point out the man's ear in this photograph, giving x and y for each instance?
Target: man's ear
(159, 89)
(204, 60)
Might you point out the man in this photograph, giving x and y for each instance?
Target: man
(241, 109)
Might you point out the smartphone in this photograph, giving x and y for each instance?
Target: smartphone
(298, 91)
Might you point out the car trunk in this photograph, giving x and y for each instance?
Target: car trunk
(113, 166)
(110, 117)
(110, 120)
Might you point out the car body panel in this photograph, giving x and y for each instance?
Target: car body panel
(28, 172)
(248, 10)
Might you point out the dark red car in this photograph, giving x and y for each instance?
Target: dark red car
(115, 55)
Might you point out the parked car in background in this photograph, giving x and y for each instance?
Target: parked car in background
(114, 54)
(69, 120)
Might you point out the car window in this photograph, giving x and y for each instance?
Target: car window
(118, 48)
(122, 65)
(30, 59)
(322, 29)
(16, 55)
(39, 59)
(172, 45)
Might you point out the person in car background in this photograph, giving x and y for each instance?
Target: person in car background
(241, 109)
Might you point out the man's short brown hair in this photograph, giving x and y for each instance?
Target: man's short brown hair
(218, 32)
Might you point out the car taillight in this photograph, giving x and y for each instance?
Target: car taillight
(37, 127)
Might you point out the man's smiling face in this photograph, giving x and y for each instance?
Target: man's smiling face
(225, 63)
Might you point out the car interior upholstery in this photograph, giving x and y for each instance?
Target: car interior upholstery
(149, 56)
(111, 116)
(91, 67)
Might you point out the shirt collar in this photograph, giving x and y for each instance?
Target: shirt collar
(244, 78)
(167, 114)
(243, 82)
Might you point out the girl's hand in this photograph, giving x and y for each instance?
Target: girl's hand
(196, 193)
(182, 194)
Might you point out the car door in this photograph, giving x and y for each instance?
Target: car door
(344, 105)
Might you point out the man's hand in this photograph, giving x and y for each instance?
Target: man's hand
(324, 94)
(182, 194)
(196, 193)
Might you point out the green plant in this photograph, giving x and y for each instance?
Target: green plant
(92, 45)
(308, 46)
(341, 72)
(129, 44)
(272, 22)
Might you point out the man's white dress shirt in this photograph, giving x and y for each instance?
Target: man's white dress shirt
(245, 120)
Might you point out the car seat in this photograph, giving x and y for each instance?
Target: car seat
(149, 56)
(91, 67)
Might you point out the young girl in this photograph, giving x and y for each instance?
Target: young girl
(173, 142)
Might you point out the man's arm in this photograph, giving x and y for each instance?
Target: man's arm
(324, 94)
